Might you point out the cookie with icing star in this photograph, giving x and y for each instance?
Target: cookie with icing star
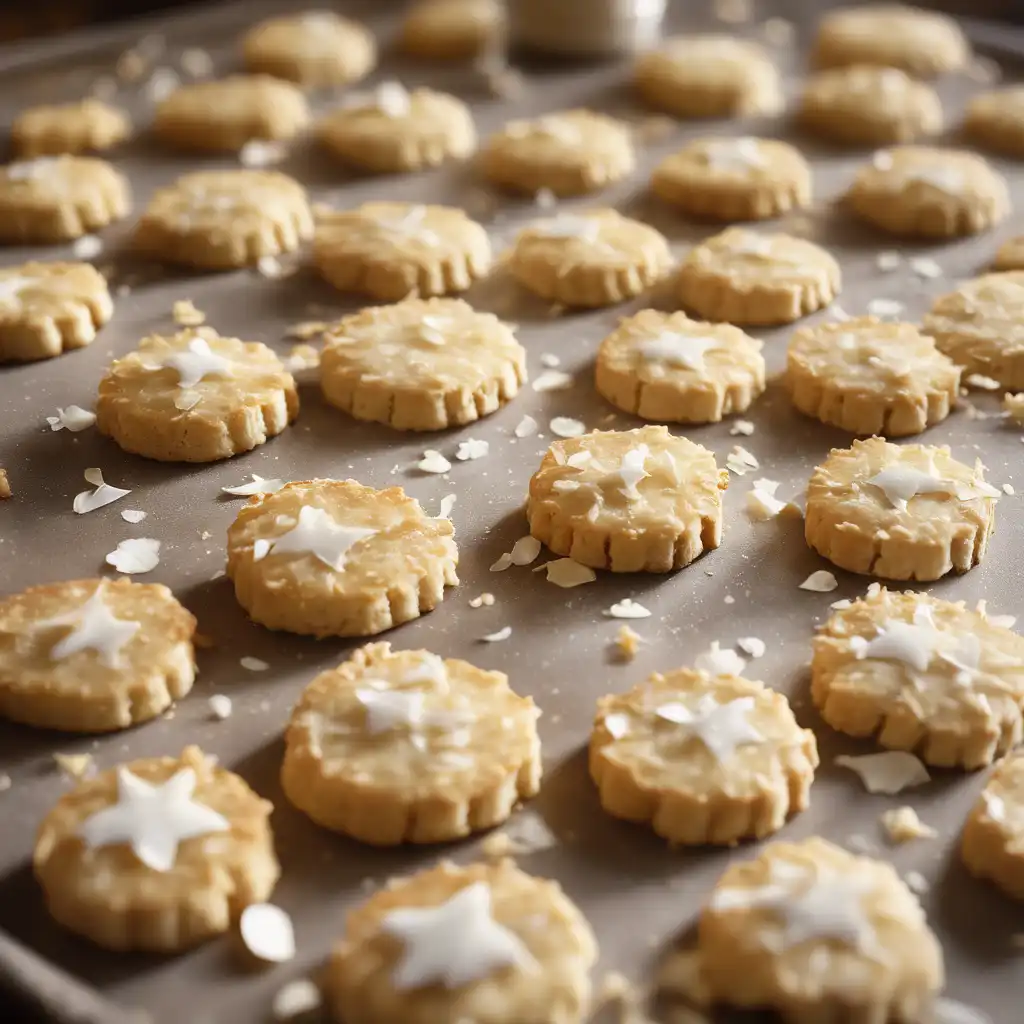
(482, 942)
(814, 933)
(195, 397)
(701, 758)
(899, 512)
(637, 500)
(992, 845)
(403, 746)
(156, 855)
(923, 675)
(93, 655)
(336, 558)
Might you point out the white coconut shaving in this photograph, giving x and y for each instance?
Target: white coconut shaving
(889, 772)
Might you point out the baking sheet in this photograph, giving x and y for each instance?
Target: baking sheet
(637, 893)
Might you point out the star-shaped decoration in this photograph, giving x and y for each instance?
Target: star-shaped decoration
(94, 628)
(315, 533)
(454, 943)
(913, 643)
(153, 818)
(720, 727)
(677, 349)
(631, 471)
(388, 710)
(900, 482)
(197, 362)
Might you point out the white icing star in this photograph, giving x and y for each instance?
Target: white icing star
(94, 628)
(315, 533)
(631, 471)
(677, 349)
(153, 818)
(388, 710)
(900, 482)
(11, 288)
(720, 727)
(197, 362)
(454, 943)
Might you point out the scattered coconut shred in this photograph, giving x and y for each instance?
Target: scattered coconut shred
(740, 461)
(258, 485)
(76, 766)
(73, 419)
(626, 644)
(433, 462)
(820, 582)
(268, 933)
(889, 772)
(566, 573)
(485, 600)
(135, 555)
(627, 609)
(186, 315)
(496, 638)
(902, 825)
(296, 999)
(104, 494)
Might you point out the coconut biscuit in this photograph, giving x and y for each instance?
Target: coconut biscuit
(1010, 255)
(335, 558)
(995, 120)
(88, 126)
(668, 368)
(992, 845)
(451, 29)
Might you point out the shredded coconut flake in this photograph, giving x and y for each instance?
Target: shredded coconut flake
(267, 932)
(820, 582)
(447, 504)
(567, 573)
(74, 418)
(220, 706)
(504, 562)
(87, 247)
(525, 550)
(484, 600)
(564, 426)
(889, 772)
(902, 825)
(888, 261)
(295, 999)
(260, 153)
(718, 662)
(133, 515)
(552, 380)
(494, 638)
(752, 645)
(741, 428)
(471, 448)
(761, 501)
(626, 643)
(135, 555)
(433, 462)
(925, 266)
(885, 307)
(740, 461)
(104, 494)
(258, 485)
(526, 427)
(981, 382)
(627, 609)
(251, 664)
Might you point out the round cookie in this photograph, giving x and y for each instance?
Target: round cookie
(485, 942)
(923, 675)
(568, 153)
(335, 558)
(864, 105)
(922, 192)
(671, 369)
(93, 655)
(709, 76)
(50, 308)
(220, 220)
(59, 198)
(406, 747)
(628, 500)
(315, 49)
(421, 365)
(909, 512)
(195, 397)
(156, 855)
(815, 933)
(701, 759)
(596, 258)
(923, 43)
(992, 845)
(83, 127)
(980, 326)
(1010, 255)
(390, 250)
(223, 114)
(450, 29)
(995, 120)
(742, 277)
(870, 377)
(734, 179)
(390, 130)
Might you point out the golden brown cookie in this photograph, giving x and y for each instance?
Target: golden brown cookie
(995, 120)
(671, 369)
(731, 179)
(335, 558)
(156, 855)
(451, 29)
(403, 746)
(992, 845)
(1010, 255)
(88, 126)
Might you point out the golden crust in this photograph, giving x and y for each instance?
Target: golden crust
(992, 845)
(86, 126)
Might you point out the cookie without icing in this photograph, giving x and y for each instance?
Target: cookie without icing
(995, 120)
(195, 397)
(485, 942)
(628, 500)
(596, 258)
(923, 43)
(335, 558)
(923, 192)
(450, 29)
(156, 855)
(391, 250)
(742, 277)
(818, 934)
(671, 369)
(390, 129)
(980, 326)
(59, 198)
(702, 759)
(870, 377)
(314, 49)
(83, 127)
(992, 845)
(50, 308)
(909, 512)
(421, 365)
(219, 220)
(1010, 255)
(403, 746)
(923, 675)
(869, 106)
(570, 153)
(223, 114)
(93, 655)
(734, 179)
(709, 76)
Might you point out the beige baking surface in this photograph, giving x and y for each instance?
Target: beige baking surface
(636, 892)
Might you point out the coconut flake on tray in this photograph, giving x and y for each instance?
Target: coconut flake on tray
(104, 494)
